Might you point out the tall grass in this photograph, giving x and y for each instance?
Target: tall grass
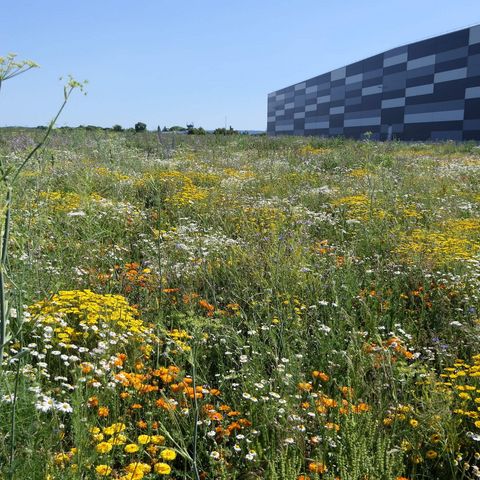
(302, 308)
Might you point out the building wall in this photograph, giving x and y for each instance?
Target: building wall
(428, 90)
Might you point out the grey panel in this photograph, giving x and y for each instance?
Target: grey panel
(279, 113)
(353, 86)
(338, 74)
(447, 116)
(373, 74)
(300, 86)
(312, 89)
(337, 93)
(271, 119)
(337, 110)
(284, 128)
(400, 58)
(362, 114)
(452, 54)
(475, 35)
(393, 102)
(450, 75)
(362, 122)
(472, 92)
(324, 99)
(421, 72)
(316, 125)
(419, 90)
(354, 79)
(421, 62)
(396, 81)
(353, 101)
(289, 105)
(299, 115)
(310, 108)
(280, 97)
(372, 90)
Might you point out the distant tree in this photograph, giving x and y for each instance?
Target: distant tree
(41, 127)
(164, 129)
(117, 128)
(224, 131)
(176, 128)
(140, 127)
(191, 130)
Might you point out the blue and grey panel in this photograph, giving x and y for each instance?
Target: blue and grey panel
(425, 90)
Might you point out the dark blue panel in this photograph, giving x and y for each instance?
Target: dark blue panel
(472, 81)
(394, 94)
(474, 49)
(472, 109)
(354, 68)
(413, 82)
(353, 93)
(451, 65)
(422, 99)
(450, 90)
(373, 63)
(336, 121)
(393, 115)
(401, 67)
(372, 82)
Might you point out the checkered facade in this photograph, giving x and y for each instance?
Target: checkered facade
(428, 90)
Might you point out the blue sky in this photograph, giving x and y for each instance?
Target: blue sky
(171, 63)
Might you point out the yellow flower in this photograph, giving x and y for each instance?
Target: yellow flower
(135, 467)
(118, 439)
(144, 439)
(414, 423)
(132, 448)
(168, 454)
(103, 470)
(431, 454)
(114, 428)
(157, 439)
(103, 447)
(162, 468)
(61, 458)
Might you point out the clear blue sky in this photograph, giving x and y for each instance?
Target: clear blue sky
(167, 63)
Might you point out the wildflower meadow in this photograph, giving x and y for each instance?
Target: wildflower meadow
(238, 307)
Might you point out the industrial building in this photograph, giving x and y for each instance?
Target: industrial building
(427, 90)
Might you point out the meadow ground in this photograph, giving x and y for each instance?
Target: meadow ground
(241, 308)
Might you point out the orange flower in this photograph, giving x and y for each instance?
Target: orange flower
(207, 306)
(305, 387)
(86, 367)
(142, 424)
(317, 467)
(93, 402)
(103, 411)
(321, 375)
(332, 426)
